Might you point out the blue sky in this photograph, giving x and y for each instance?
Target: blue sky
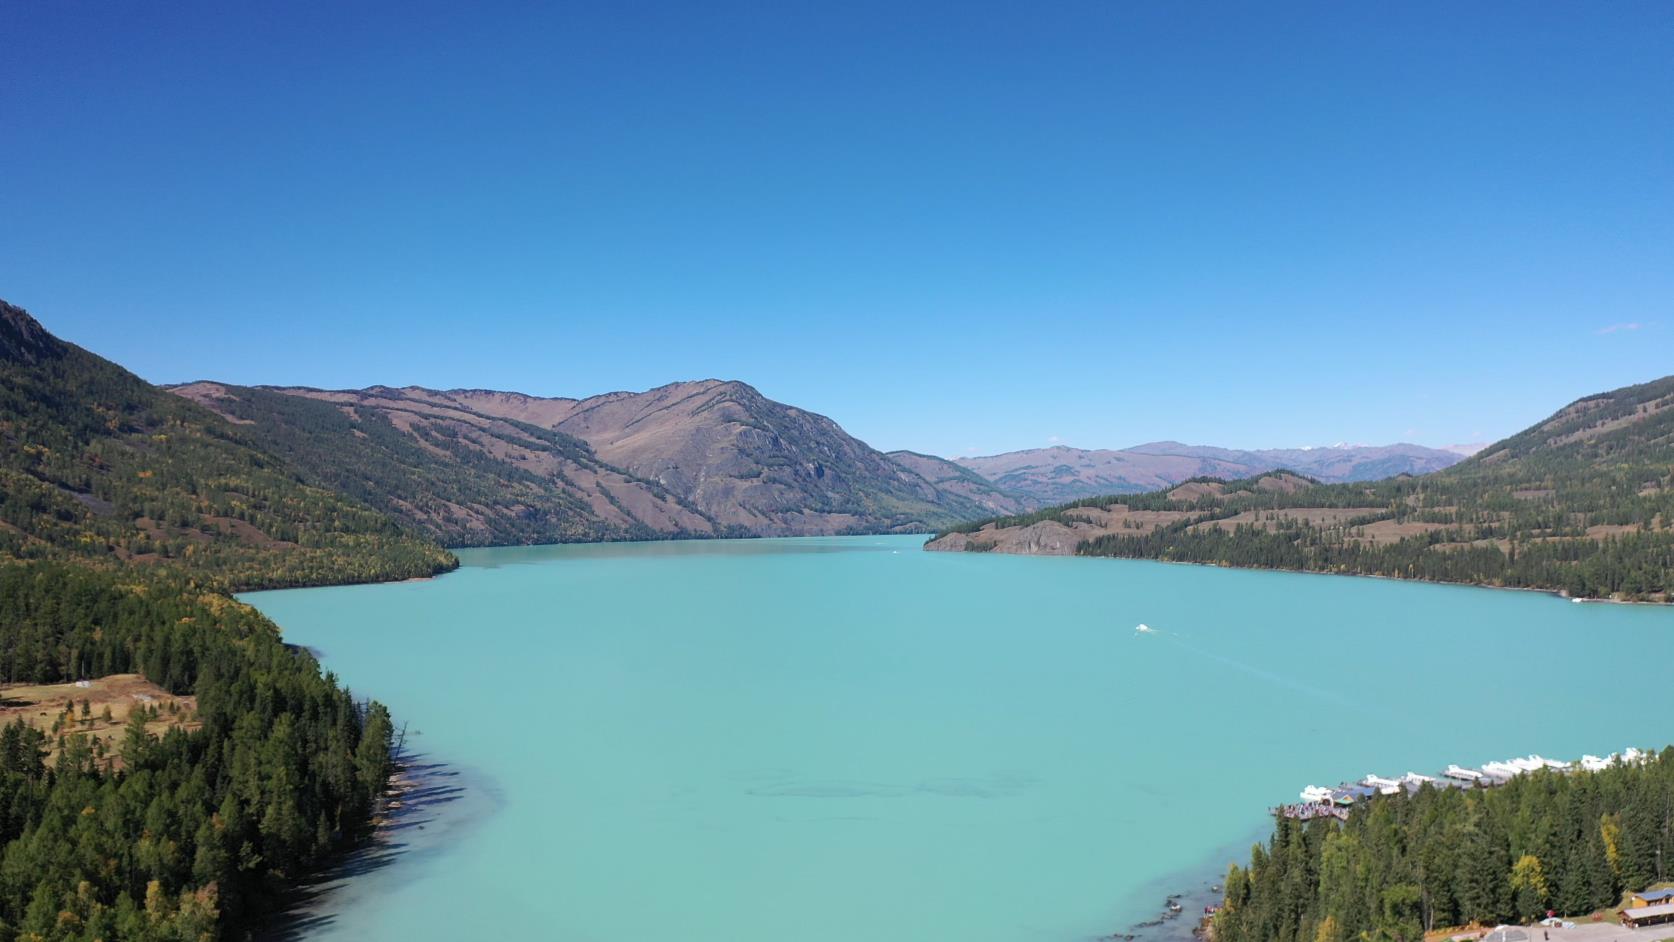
(960, 228)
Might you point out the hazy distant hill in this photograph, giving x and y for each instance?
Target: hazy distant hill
(705, 458)
(100, 466)
(1054, 475)
(1332, 464)
(1582, 502)
(951, 478)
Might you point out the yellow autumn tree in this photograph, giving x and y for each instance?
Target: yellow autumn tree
(1610, 828)
(1528, 887)
(156, 901)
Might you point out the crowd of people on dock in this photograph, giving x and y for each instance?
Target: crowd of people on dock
(1309, 810)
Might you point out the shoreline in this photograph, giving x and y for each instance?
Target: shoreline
(418, 813)
(416, 785)
(1194, 888)
(310, 903)
(1558, 593)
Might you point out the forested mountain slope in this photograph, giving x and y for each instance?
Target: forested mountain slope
(1583, 503)
(707, 458)
(126, 516)
(98, 465)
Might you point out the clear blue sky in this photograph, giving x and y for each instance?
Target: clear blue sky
(958, 227)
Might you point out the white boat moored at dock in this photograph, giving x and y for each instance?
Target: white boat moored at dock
(1318, 800)
(1387, 786)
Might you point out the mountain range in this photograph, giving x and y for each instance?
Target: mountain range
(282, 485)
(695, 459)
(99, 462)
(1053, 475)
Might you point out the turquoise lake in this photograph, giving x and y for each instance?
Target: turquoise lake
(849, 738)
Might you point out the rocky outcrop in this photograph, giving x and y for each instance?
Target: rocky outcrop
(1047, 538)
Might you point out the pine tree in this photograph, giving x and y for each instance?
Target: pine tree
(1480, 878)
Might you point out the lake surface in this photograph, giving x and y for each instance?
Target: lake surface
(849, 738)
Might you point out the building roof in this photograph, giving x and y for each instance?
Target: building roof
(1637, 913)
(1649, 895)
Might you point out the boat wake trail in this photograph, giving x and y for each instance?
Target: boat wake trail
(1267, 675)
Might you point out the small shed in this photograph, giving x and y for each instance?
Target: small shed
(1349, 794)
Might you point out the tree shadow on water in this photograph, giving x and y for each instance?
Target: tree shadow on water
(310, 907)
